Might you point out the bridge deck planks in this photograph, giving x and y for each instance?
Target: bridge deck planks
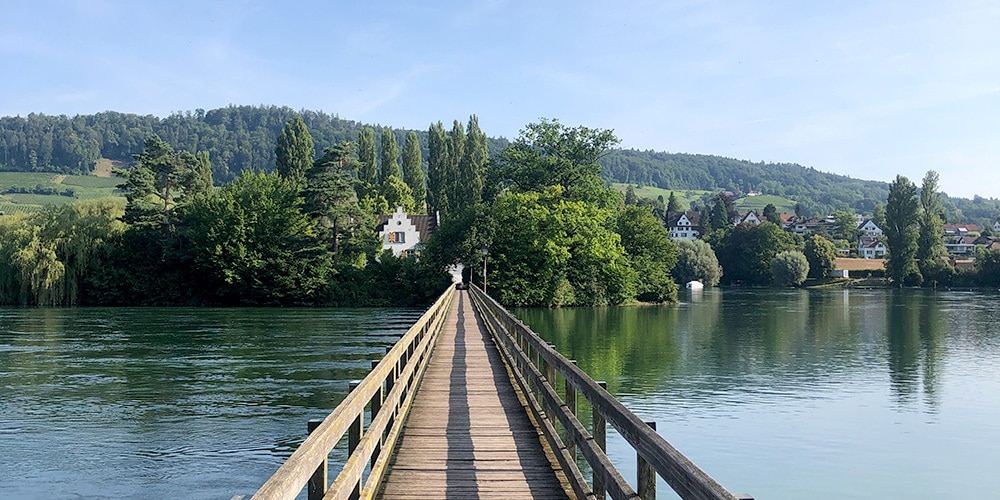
(468, 434)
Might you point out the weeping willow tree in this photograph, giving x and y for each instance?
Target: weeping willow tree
(45, 256)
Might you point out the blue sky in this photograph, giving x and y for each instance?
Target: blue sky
(866, 89)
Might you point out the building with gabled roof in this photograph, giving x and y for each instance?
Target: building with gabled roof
(405, 234)
(684, 225)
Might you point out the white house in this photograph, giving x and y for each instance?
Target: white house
(871, 248)
(749, 217)
(684, 225)
(869, 228)
(405, 234)
(996, 226)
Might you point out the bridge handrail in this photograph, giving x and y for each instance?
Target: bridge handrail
(388, 391)
(540, 360)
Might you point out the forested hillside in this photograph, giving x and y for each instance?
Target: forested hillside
(239, 138)
(816, 191)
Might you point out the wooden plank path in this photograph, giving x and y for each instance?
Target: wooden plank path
(468, 434)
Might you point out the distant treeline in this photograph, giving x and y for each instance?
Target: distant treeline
(241, 138)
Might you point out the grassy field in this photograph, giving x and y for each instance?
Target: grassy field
(84, 187)
(757, 204)
(685, 196)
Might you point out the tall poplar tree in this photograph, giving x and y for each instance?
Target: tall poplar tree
(295, 152)
(456, 152)
(901, 217)
(367, 168)
(413, 175)
(930, 247)
(470, 172)
(390, 156)
(437, 168)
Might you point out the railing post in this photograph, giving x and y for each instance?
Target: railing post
(354, 437)
(390, 381)
(376, 405)
(646, 474)
(600, 427)
(550, 377)
(318, 481)
(571, 406)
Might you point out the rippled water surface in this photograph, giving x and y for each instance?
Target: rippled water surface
(171, 403)
(807, 394)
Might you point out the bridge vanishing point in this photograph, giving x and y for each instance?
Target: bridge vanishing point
(467, 404)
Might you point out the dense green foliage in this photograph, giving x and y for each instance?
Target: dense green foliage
(821, 256)
(745, 251)
(901, 217)
(696, 261)
(789, 268)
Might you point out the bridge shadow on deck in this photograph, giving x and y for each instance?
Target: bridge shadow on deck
(492, 448)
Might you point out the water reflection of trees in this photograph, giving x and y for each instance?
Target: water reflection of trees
(915, 328)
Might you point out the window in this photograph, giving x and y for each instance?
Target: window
(397, 237)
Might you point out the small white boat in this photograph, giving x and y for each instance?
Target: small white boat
(695, 285)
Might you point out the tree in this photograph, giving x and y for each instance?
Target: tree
(845, 226)
(437, 170)
(255, 246)
(470, 173)
(771, 213)
(789, 268)
(745, 251)
(157, 182)
(390, 156)
(201, 176)
(822, 256)
(550, 154)
(331, 201)
(901, 216)
(930, 247)
(413, 175)
(696, 261)
(673, 205)
(719, 216)
(456, 152)
(630, 198)
(294, 151)
(397, 194)
(878, 215)
(367, 167)
(550, 251)
(651, 253)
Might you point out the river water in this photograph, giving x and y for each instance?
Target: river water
(866, 394)
(780, 394)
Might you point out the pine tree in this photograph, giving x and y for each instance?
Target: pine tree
(389, 166)
(413, 175)
(672, 204)
(367, 168)
(294, 152)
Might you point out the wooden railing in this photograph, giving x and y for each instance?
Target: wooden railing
(535, 364)
(386, 393)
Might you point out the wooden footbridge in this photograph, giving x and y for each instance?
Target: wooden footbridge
(470, 403)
